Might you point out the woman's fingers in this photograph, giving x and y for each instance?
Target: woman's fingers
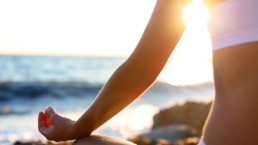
(51, 116)
(48, 118)
(42, 126)
(51, 112)
(41, 120)
(45, 125)
(53, 126)
(45, 119)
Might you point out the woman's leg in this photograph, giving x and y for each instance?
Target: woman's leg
(101, 140)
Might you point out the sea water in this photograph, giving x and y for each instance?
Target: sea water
(28, 84)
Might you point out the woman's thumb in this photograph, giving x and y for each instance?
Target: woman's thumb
(51, 112)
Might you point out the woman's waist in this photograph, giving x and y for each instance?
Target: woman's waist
(232, 121)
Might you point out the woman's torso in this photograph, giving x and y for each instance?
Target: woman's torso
(234, 115)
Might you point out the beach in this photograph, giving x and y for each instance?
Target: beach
(28, 84)
(169, 127)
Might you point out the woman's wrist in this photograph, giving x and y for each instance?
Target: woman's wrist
(79, 131)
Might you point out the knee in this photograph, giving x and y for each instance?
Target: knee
(91, 140)
(82, 141)
(77, 142)
(101, 140)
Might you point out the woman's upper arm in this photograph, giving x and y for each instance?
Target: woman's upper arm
(161, 35)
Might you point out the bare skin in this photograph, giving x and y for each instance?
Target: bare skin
(233, 117)
(129, 81)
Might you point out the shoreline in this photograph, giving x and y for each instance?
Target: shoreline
(169, 127)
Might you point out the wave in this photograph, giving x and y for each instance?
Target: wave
(33, 90)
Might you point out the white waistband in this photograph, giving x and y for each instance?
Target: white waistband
(233, 22)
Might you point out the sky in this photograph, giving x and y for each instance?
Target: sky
(101, 28)
(74, 27)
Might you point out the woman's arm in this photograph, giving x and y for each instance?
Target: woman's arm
(140, 70)
(131, 79)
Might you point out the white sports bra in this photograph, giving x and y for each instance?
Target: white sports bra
(233, 22)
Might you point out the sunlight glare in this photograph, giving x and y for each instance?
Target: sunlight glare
(191, 59)
(196, 12)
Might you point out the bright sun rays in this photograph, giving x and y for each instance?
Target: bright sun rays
(191, 60)
(196, 12)
(196, 37)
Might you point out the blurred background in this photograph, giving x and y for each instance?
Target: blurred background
(60, 53)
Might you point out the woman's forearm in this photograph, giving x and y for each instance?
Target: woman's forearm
(140, 70)
(123, 87)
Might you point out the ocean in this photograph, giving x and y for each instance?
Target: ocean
(28, 84)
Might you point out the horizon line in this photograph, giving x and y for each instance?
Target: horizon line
(62, 54)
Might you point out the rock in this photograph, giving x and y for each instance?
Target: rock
(41, 143)
(171, 133)
(147, 141)
(192, 114)
(29, 143)
(188, 141)
(139, 140)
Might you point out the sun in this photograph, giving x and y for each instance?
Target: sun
(191, 63)
(196, 13)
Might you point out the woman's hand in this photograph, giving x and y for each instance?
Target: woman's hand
(55, 127)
